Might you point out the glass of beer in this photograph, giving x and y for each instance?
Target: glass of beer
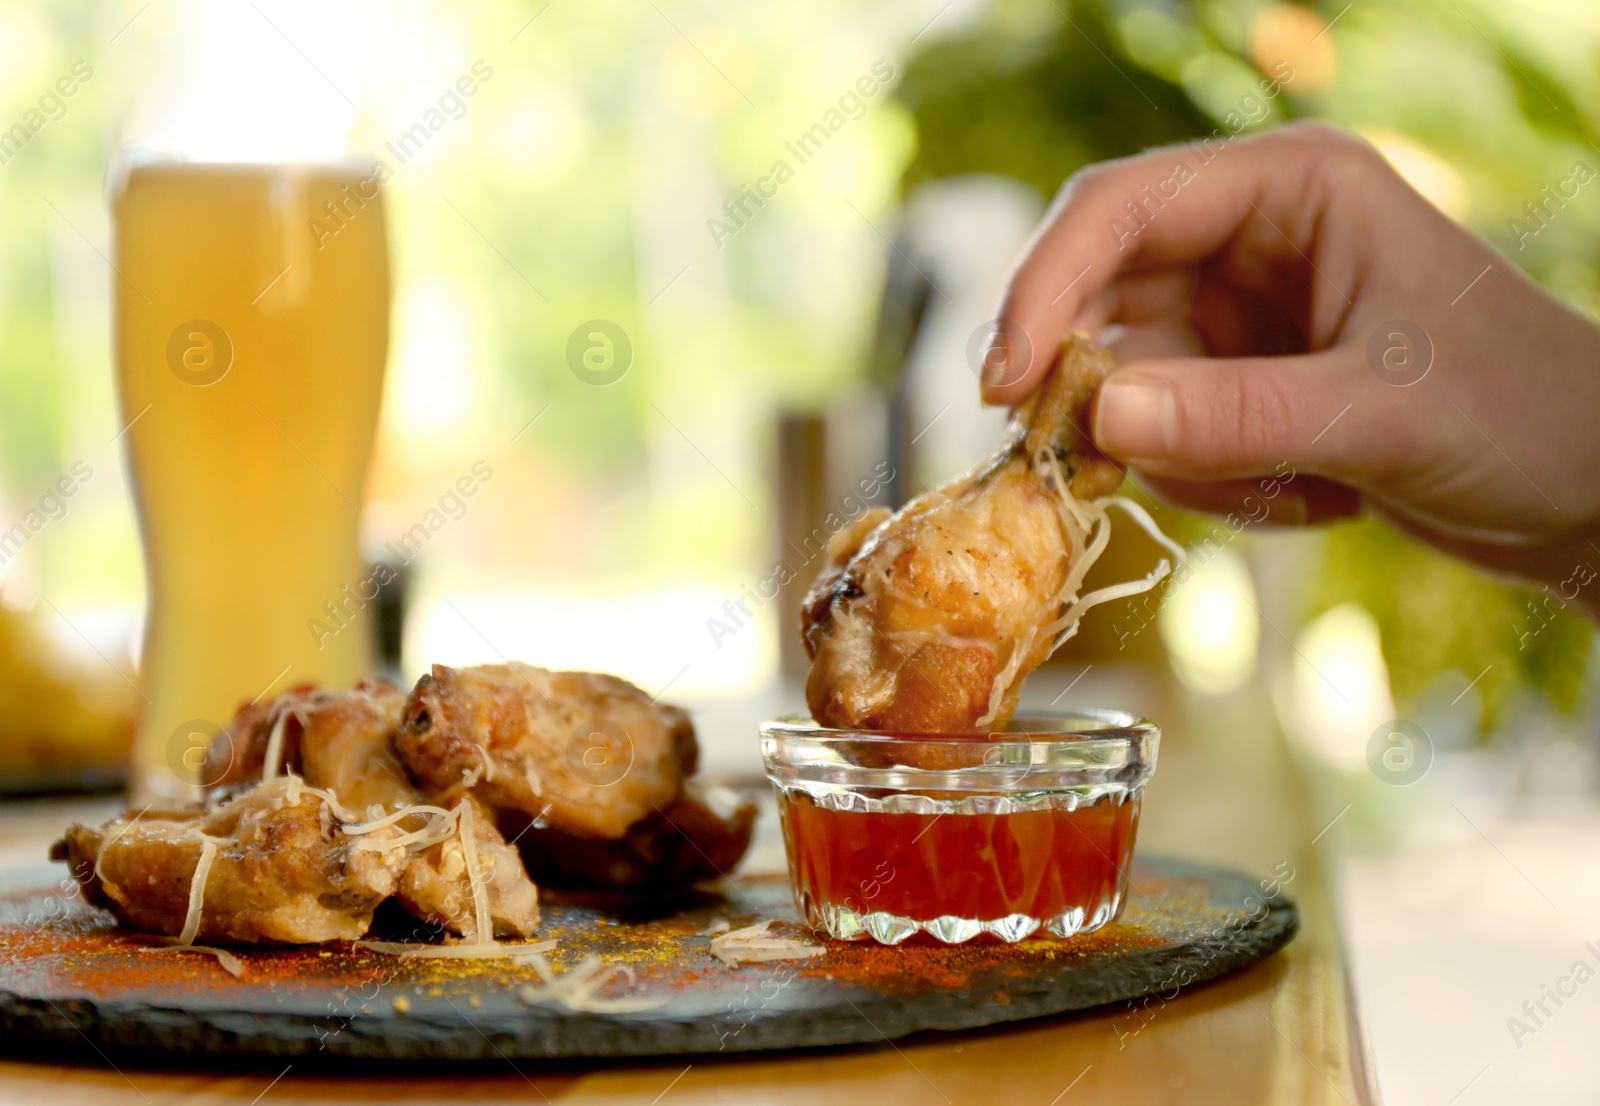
(252, 320)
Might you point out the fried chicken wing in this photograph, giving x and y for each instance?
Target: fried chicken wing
(275, 866)
(321, 804)
(343, 742)
(702, 834)
(928, 620)
(586, 752)
(435, 886)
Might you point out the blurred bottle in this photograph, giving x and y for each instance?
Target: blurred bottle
(252, 317)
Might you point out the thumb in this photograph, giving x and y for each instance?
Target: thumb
(1221, 418)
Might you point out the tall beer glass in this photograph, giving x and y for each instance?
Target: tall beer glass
(252, 318)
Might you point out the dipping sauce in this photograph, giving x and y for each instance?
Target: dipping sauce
(1028, 830)
(1066, 866)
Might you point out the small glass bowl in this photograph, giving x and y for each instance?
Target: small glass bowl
(1021, 831)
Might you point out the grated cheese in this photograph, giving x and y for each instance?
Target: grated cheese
(577, 989)
(272, 760)
(230, 963)
(1087, 528)
(753, 944)
(443, 825)
(197, 892)
(297, 786)
(484, 759)
(390, 819)
(1130, 587)
(447, 824)
(184, 942)
(480, 888)
(440, 825)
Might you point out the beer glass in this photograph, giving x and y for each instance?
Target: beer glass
(252, 317)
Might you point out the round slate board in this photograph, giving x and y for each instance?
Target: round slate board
(69, 975)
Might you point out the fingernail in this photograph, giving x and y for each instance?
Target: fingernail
(1136, 416)
(996, 361)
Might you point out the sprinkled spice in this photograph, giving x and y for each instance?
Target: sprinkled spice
(70, 952)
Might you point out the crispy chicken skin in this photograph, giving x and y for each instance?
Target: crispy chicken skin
(927, 620)
(343, 742)
(339, 740)
(284, 873)
(602, 766)
(434, 885)
(700, 835)
(587, 752)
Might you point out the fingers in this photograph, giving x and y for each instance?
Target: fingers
(1222, 419)
(1140, 298)
(1282, 498)
(1166, 208)
(1166, 338)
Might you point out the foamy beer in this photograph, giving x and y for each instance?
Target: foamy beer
(250, 355)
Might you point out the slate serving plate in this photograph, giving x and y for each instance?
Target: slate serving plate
(70, 977)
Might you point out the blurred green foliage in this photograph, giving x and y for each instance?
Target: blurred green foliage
(1478, 104)
(1439, 619)
(1037, 108)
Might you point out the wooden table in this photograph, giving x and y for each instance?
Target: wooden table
(1282, 1031)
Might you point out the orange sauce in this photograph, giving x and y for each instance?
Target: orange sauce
(1040, 863)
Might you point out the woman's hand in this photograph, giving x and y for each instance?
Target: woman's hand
(1288, 300)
